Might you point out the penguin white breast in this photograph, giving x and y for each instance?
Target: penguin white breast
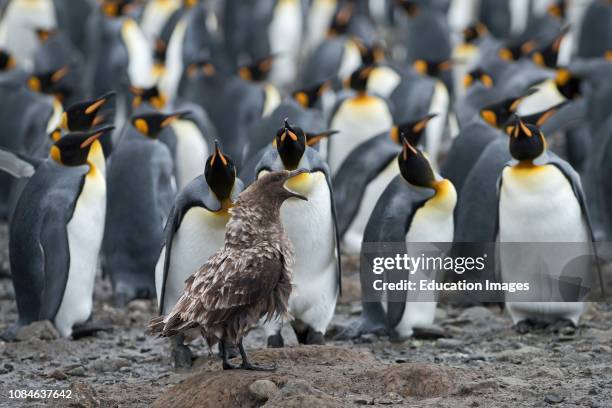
(436, 126)
(310, 227)
(539, 205)
(191, 150)
(285, 36)
(383, 81)
(200, 235)
(56, 115)
(357, 120)
(272, 99)
(140, 65)
(319, 18)
(85, 231)
(433, 222)
(20, 19)
(174, 60)
(155, 15)
(547, 95)
(354, 235)
(351, 60)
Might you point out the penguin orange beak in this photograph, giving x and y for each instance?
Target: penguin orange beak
(290, 176)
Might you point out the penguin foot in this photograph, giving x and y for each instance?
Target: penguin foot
(359, 327)
(89, 329)
(314, 337)
(523, 327)
(564, 326)
(183, 357)
(10, 334)
(258, 367)
(229, 366)
(276, 341)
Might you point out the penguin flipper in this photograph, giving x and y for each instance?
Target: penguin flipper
(574, 179)
(18, 165)
(56, 254)
(354, 175)
(389, 223)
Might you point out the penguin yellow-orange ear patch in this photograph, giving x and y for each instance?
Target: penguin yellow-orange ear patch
(538, 59)
(56, 154)
(525, 129)
(209, 69)
(245, 74)
(142, 126)
(489, 116)
(467, 81)
(301, 98)
(394, 134)
(608, 55)
(34, 84)
(445, 65)
(420, 66)
(505, 54)
(528, 46)
(563, 76)
(486, 80)
(56, 135)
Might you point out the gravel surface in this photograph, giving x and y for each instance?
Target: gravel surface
(481, 363)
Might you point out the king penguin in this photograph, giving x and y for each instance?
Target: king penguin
(365, 174)
(195, 230)
(541, 201)
(56, 233)
(416, 207)
(141, 190)
(17, 34)
(357, 118)
(311, 227)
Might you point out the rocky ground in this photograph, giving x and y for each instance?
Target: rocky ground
(481, 363)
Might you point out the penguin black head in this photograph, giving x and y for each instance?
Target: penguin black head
(411, 131)
(82, 115)
(50, 82)
(73, 149)
(358, 80)
(116, 8)
(526, 141)
(153, 96)
(474, 32)
(7, 62)
(220, 173)
(258, 70)
(150, 124)
(547, 55)
(308, 97)
(498, 114)
(341, 20)
(291, 144)
(411, 8)
(414, 166)
(568, 84)
(432, 68)
(477, 75)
